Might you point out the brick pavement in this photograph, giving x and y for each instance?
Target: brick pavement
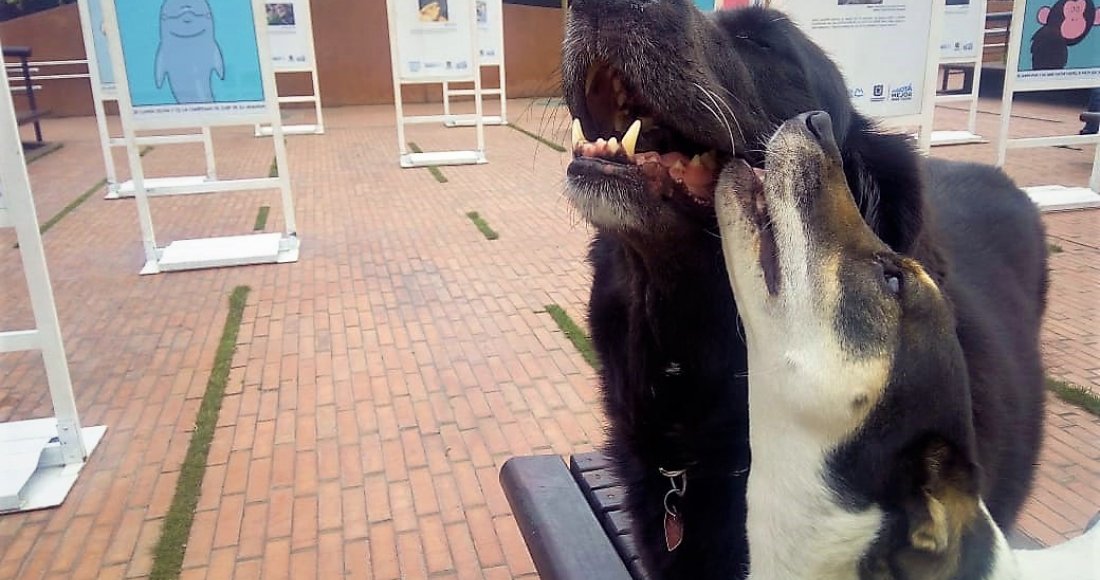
(381, 381)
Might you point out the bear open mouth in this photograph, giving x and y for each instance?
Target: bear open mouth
(634, 140)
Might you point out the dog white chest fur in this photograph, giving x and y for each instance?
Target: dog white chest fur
(796, 527)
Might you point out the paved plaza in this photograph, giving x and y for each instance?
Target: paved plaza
(380, 382)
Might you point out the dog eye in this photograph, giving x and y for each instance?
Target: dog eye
(893, 284)
(892, 279)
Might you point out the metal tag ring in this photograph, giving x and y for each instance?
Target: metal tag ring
(670, 509)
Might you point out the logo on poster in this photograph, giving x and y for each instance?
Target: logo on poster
(856, 93)
(878, 93)
(902, 93)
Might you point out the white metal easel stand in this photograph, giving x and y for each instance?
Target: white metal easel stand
(42, 458)
(425, 159)
(466, 120)
(212, 252)
(103, 92)
(317, 128)
(1047, 197)
(970, 135)
(490, 51)
(926, 117)
(304, 16)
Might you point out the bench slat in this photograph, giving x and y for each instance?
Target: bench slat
(562, 534)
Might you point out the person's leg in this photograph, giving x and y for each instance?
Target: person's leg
(1092, 126)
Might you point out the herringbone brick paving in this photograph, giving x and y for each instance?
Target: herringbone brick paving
(381, 381)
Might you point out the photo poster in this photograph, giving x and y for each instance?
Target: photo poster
(856, 32)
(286, 22)
(191, 63)
(490, 16)
(434, 39)
(1060, 44)
(98, 29)
(963, 30)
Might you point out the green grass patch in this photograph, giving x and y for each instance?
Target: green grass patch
(434, 170)
(261, 218)
(35, 153)
(488, 232)
(168, 553)
(574, 333)
(539, 138)
(1075, 395)
(273, 169)
(1054, 248)
(69, 208)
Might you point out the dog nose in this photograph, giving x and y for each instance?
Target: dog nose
(820, 125)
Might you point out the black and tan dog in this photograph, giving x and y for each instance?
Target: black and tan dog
(869, 432)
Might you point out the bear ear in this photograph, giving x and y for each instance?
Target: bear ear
(1044, 14)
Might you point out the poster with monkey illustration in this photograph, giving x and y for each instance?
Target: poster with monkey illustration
(1060, 41)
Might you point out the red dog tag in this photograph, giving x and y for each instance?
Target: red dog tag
(674, 531)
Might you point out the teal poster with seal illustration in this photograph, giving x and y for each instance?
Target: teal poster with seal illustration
(191, 58)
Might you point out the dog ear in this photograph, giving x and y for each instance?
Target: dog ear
(948, 502)
(940, 513)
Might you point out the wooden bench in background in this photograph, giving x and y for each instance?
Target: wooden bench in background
(31, 114)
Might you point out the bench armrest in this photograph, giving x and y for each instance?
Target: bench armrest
(564, 538)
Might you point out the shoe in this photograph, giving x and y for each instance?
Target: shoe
(1088, 131)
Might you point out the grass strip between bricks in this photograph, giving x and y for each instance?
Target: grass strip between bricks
(76, 202)
(1075, 395)
(68, 209)
(539, 138)
(574, 333)
(488, 232)
(434, 170)
(261, 218)
(170, 548)
(36, 153)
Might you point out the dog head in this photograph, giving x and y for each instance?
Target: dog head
(859, 395)
(663, 96)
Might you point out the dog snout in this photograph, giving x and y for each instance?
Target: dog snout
(820, 125)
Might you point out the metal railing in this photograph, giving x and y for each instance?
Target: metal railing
(36, 67)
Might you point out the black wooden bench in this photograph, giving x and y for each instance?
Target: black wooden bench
(572, 520)
(571, 517)
(32, 114)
